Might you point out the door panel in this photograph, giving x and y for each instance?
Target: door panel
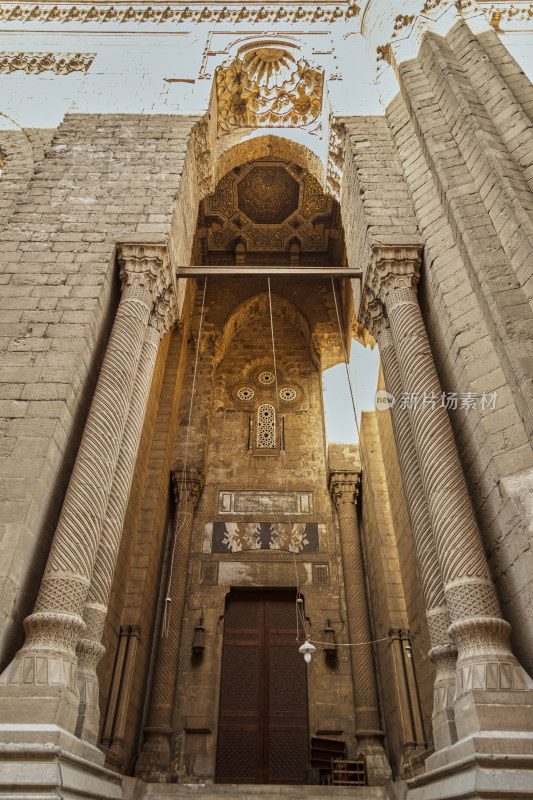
(263, 728)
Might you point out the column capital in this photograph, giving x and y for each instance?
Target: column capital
(373, 315)
(188, 485)
(165, 311)
(344, 487)
(396, 267)
(145, 265)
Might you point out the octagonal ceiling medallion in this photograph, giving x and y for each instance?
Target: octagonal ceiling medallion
(267, 205)
(268, 86)
(268, 195)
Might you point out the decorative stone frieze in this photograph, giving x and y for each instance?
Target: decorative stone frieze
(268, 86)
(438, 619)
(481, 635)
(35, 63)
(176, 12)
(45, 667)
(344, 489)
(154, 761)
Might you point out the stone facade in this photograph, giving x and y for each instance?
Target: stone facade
(163, 449)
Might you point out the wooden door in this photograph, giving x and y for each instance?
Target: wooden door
(263, 728)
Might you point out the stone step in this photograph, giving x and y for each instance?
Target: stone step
(261, 792)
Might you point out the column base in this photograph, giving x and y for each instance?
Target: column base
(493, 692)
(38, 760)
(378, 770)
(153, 765)
(490, 765)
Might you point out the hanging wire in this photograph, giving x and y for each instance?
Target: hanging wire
(401, 617)
(180, 518)
(299, 599)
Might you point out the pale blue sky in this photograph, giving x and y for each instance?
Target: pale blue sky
(364, 366)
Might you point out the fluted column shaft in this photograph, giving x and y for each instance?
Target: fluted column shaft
(443, 652)
(154, 761)
(344, 488)
(90, 648)
(48, 657)
(484, 658)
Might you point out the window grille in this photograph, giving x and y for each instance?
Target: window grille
(266, 425)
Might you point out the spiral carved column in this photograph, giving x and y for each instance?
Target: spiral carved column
(344, 487)
(47, 662)
(487, 672)
(90, 648)
(443, 653)
(154, 761)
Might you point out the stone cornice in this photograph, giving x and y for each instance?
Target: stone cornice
(35, 63)
(194, 12)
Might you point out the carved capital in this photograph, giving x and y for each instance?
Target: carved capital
(374, 317)
(144, 265)
(188, 485)
(344, 487)
(396, 267)
(165, 313)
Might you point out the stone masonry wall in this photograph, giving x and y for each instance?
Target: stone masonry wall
(105, 178)
(470, 197)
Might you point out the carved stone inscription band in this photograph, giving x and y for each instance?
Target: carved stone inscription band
(48, 658)
(485, 660)
(344, 488)
(443, 652)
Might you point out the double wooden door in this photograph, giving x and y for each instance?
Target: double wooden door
(263, 732)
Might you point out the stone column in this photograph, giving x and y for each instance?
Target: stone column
(90, 648)
(153, 765)
(490, 682)
(344, 487)
(45, 667)
(443, 653)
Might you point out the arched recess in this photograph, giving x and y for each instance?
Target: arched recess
(259, 305)
(262, 146)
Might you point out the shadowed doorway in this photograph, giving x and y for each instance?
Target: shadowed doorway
(263, 725)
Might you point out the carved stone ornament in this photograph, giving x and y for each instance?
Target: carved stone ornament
(172, 11)
(268, 86)
(35, 63)
(145, 265)
(335, 159)
(204, 158)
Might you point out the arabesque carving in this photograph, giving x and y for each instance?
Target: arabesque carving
(268, 86)
(35, 63)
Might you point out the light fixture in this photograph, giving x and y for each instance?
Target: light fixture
(330, 648)
(198, 642)
(307, 650)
